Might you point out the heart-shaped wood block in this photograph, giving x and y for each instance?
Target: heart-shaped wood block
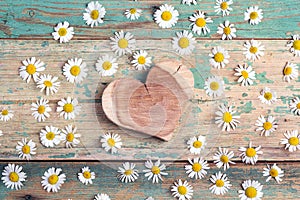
(153, 108)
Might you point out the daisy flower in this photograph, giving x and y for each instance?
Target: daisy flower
(122, 43)
(53, 179)
(196, 144)
(246, 74)
(106, 65)
(250, 154)
(290, 71)
(253, 50)
(1, 133)
(86, 176)
(94, 13)
(41, 110)
(69, 136)
(13, 176)
(48, 83)
(266, 125)
(26, 149)
(291, 140)
(128, 173)
(227, 30)
(226, 118)
(6, 114)
(182, 190)
(166, 16)
(31, 68)
(254, 15)
(141, 60)
(189, 2)
(252, 190)
(50, 136)
(223, 158)
(102, 197)
(111, 142)
(219, 57)
(197, 168)
(184, 43)
(294, 106)
(68, 108)
(267, 96)
(63, 32)
(294, 45)
(133, 13)
(223, 6)
(154, 171)
(214, 86)
(221, 184)
(75, 70)
(199, 23)
(150, 198)
(273, 172)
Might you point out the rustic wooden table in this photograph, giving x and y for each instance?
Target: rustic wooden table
(25, 31)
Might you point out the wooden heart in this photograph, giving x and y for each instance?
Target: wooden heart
(153, 108)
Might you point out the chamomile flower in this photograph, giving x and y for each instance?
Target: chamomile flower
(69, 136)
(252, 190)
(122, 43)
(50, 136)
(133, 13)
(141, 60)
(86, 176)
(250, 154)
(223, 6)
(26, 149)
(6, 114)
(219, 57)
(128, 173)
(150, 198)
(166, 16)
(111, 142)
(31, 68)
(53, 179)
(68, 108)
(227, 30)
(106, 65)
(267, 96)
(75, 70)
(102, 197)
(221, 184)
(41, 110)
(226, 117)
(266, 125)
(291, 140)
(48, 83)
(254, 15)
(214, 86)
(196, 144)
(13, 176)
(94, 13)
(273, 172)
(197, 168)
(295, 106)
(63, 32)
(199, 23)
(154, 171)
(1, 133)
(253, 50)
(246, 74)
(294, 45)
(189, 2)
(223, 158)
(182, 190)
(290, 71)
(184, 43)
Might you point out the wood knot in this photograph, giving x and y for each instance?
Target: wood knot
(31, 13)
(28, 197)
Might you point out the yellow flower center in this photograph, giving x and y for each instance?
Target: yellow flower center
(184, 42)
(296, 44)
(95, 14)
(50, 136)
(227, 117)
(250, 152)
(4, 112)
(53, 179)
(268, 96)
(68, 107)
(14, 177)
(26, 149)
(197, 144)
(132, 11)
(155, 170)
(200, 22)
(75, 70)
(267, 125)
(224, 5)
(196, 167)
(253, 49)
(62, 32)
(70, 137)
(48, 83)
(273, 172)
(227, 30)
(298, 106)
(123, 43)
(128, 172)
(245, 74)
(166, 16)
(251, 192)
(253, 15)
(294, 141)
(87, 175)
(182, 190)
(287, 70)
(106, 65)
(30, 69)
(41, 109)
(111, 142)
(219, 57)
(219, 183)
(214, 86)
(224, 159)
(141, 60)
